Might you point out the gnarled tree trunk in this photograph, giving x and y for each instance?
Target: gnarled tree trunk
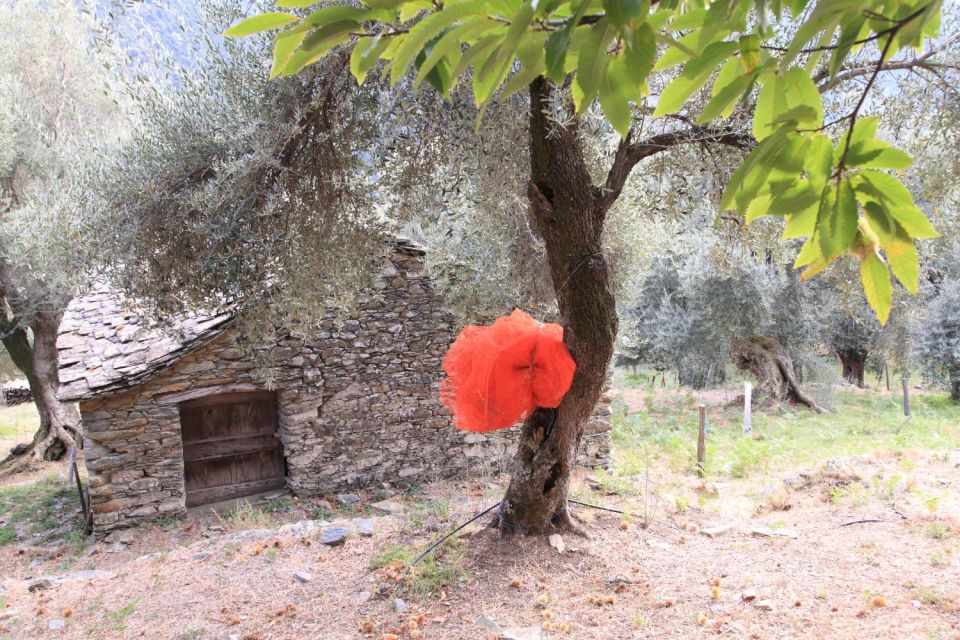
(854, 362)
(59, 429)
(771, 365)
(569, 211)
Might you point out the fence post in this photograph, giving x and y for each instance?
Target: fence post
(906, 396)
(747, 393)
(702, 441)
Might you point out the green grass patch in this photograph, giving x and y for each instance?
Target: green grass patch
(20, 420)
(444, 567)
(859, 422)
(38, 506)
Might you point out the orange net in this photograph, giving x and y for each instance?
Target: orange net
(497, 375)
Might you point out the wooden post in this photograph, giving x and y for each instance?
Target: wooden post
(702, 441)
(747, 392)
(663, 379)
(886, 370)
(906, 396)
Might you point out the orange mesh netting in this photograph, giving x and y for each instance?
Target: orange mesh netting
(499, 374)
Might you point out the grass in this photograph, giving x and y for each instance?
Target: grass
(38, 506)
(859, 422)
(444, 567)
(120, 616)
(246, 516)
(18, 421)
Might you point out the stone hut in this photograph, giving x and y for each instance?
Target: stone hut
(172, 422)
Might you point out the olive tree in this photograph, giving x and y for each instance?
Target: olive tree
(824, 175)
(55, 104)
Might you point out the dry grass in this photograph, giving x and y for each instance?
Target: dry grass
(894, 575)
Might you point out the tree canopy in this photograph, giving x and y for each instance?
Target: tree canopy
(824, 173)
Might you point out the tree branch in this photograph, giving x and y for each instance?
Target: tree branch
(825, 84)
(630, 153)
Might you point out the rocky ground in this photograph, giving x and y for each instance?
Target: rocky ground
(837, 551)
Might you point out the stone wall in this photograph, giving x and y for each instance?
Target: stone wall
(357, 406)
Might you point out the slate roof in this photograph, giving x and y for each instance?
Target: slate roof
(104, 346)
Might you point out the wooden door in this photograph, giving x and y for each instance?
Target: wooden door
(230, 446)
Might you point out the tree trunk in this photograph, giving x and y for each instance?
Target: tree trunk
(771, 365)
(569, 212)
(59, 429)
(853, 361)
(955, 389)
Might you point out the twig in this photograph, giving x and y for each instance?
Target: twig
(447, 536)
(847, 524)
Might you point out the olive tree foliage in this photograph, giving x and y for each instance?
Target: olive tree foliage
(55, 105)
(937, 335)
(282, 194)
(229, 185)
(692, 304)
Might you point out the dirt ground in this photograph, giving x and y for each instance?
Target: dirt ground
(863, 547)
(814, 572)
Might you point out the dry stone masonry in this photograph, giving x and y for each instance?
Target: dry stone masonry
(357, 402)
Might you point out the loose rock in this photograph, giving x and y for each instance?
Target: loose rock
(348, 499)
(764, 605)
(521, 633)
(302, 576)
(389, 507)
(766, 532)
(556, 541)
(714, 532)
(56, 624)
(749, 595)
(488, 623)
(400, 605)
(364, 526)
(125, 536)
(39, 584)
(333, 536)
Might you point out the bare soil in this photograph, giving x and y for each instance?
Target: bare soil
(894, 575)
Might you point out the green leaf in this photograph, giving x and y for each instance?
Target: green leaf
(876, 285)
(614, 98)
(450, 43)
(837, 220)
(877, 154)
(494, 72)
(802, 223)
(338, 13)
(283, 47)
(723, 103)
(904, 261)
(794, 199)
(695, 74)
(592, 66)
(742, 187)
(296, 4)
(262, 22)
(640, 55)
(318, 43)
(819, 163)
(426, 30)
(556, 53)
(623, 12)
(783, 94)
(897, 201)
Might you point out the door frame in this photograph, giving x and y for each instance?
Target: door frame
(215, 398)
